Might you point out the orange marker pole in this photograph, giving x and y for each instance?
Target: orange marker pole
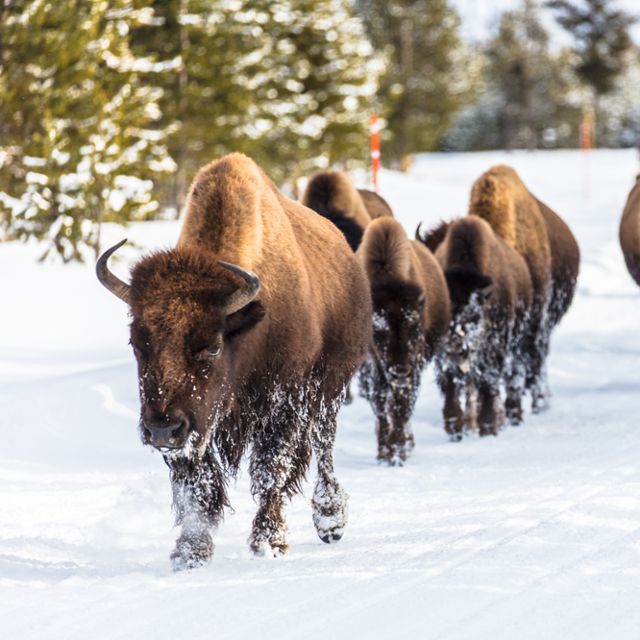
(375, 151)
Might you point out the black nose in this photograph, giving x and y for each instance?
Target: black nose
(400, 371)
(169, 431)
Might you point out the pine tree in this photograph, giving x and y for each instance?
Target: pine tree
(289, 83)
(426, 82)
(531, 80)
(601, 33)
(80, 146)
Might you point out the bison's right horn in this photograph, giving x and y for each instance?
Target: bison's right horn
(418, 234)
(243, 296)
(113, 283)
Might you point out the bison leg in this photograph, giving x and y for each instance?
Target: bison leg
(279, 459)
(383, 426)
(400, 439)
(199, 498)
(515, 383)
(452, 411)
(489, 418)
(537, 350)
(329, 502)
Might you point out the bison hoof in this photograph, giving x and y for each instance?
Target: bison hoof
(266, 550)
(192, 552)
(455, 437)
(331, 538)
(329, 511)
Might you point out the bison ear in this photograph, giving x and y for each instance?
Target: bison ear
(244, 319)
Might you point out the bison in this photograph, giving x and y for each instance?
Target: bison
(491, 294)
(630, 232)
(333, 196)
(410, 316)
(550, 250)
(246, 335)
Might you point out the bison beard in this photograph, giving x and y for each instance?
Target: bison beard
(222, 373)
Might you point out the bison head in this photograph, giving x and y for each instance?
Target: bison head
(470, 292)
(398, 332)
(189, 313)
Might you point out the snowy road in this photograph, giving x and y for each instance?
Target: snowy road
(535, 534)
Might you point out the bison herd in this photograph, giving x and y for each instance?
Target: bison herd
(247, 334)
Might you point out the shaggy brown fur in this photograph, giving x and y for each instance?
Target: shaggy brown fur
(333, 196)
(270, 375)
(411, 314)
(551, 254)
(630, 232)
(491, 294)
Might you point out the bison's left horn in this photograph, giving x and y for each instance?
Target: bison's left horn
(243, 296)
(110, 281)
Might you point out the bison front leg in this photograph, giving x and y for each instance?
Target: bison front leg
(401, 441)
(452, 411)
(329, 502)
(199, 498)
(490, 418)
(515, 382)
(383, 425)
(279, 460)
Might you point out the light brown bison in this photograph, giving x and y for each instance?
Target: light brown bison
(548, 247)
(630, 232)
(491, 295)
(410, 316)
(333, 196)
(256, 355)
(376, 205)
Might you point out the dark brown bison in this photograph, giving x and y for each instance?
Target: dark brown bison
(333, 196)
(491, 295)
(550, 251)
(630, 232)
(246, 335)
(410, 316)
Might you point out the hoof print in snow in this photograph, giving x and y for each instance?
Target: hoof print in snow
(192, 553)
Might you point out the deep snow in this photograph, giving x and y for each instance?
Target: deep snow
(534, 534)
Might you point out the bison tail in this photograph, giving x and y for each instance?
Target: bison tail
(492, 200)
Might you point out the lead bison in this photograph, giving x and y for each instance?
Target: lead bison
(246, 335)
(410, 317)
(630, 232)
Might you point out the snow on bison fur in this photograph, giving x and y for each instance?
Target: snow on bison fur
(246, 335)
(491, 295)
(410, 316)
(630, 232)
(550, 250)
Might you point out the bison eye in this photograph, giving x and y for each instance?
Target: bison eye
(209, 353)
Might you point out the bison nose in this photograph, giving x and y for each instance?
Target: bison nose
(400, 371)
(167, 432)
(400, 376)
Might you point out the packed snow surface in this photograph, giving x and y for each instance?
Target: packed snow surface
(533, 534)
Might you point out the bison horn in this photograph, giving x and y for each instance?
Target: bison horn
(243, 296)
(418, 234)
(113, 283)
